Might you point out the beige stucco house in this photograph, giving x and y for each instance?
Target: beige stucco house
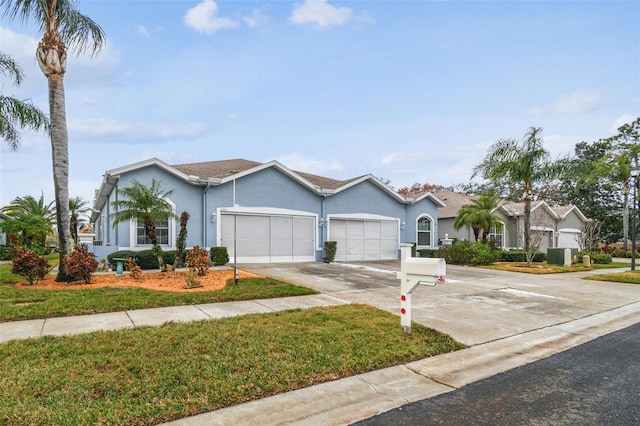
(551, 227)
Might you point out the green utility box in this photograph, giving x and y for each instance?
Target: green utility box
(556, 256)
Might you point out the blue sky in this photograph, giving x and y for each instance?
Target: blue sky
(411, 91)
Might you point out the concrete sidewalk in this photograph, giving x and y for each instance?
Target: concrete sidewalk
(156, 316)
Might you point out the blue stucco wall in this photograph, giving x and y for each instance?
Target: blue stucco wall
(416, 210)
(267, 188)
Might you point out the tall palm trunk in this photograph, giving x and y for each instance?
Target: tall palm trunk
(528, 195)
(625, 215)
(52, 57)
(150, 229)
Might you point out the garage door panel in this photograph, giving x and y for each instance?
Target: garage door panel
(389, 249)
(355, 249)
(372, 249)
(372, 230)
(368, 239)
(355, 229)
(252, 227)
(389, 230)
(268, 237)
(281, 248)
(252, 248)
(281, 228)
(304, 228)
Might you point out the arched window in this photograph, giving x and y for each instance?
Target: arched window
(425, 232)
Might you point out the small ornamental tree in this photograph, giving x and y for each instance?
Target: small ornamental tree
(29, 264)
(80, 263)
(132, 266)
(181, 241)
(198, 259)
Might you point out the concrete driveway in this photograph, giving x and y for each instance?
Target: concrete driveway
(474, 305)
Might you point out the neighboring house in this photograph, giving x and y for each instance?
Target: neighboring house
(550, 226)
(4, 237)
(268, 213)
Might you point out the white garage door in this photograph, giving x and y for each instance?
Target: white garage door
(568, 238)
(263, 238)
(364, 239)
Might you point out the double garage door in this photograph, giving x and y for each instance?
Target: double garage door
(364, 239)
(262, 238)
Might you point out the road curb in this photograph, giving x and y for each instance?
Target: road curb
(345, 401)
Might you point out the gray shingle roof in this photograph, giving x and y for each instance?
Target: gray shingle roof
(216, 169)
(223, 168)
(453, 202)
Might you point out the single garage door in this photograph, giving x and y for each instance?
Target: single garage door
(364, 239)
(263, 238)
(569, 238)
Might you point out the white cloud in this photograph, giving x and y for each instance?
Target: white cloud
(319, 12)
(143, 31)
(580, 101)
(559, 145)
(257, 19)
(625, 118)
(133, 132)
(203, 18)
(302, 163)
(393, 158)
(366, 18)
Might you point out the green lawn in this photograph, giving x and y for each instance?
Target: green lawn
(545, 268)
(148, 375)
(25, 303)
(629, 277)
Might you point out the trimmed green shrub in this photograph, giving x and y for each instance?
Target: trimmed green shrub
(467, 253)
(620, 252)
(122, 254)
(6, 252)
(601, 258)
(430, 253)
(145, 259)
(519, 256)
(219, 255)
(330, 248)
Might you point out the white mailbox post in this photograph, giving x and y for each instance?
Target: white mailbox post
(414, 271)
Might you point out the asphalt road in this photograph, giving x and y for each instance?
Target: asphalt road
(597, 383)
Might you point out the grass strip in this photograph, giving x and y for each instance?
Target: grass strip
(148, 375)
(628, 277)
(25, 303)
(541, 268)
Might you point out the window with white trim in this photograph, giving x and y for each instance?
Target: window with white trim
(496, 234)
(424, 230)
(162, 233)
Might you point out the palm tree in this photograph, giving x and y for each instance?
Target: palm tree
(14, 113)
(32, 218)
(523, 163)
(61, 26)
(147, 204)
(77, 207)
(479, 216)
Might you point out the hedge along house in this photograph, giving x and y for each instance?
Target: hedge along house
(550, 227)
(266, 212)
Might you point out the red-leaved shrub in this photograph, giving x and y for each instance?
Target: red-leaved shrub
(80, 264)
(198, 259)
(29, 264)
